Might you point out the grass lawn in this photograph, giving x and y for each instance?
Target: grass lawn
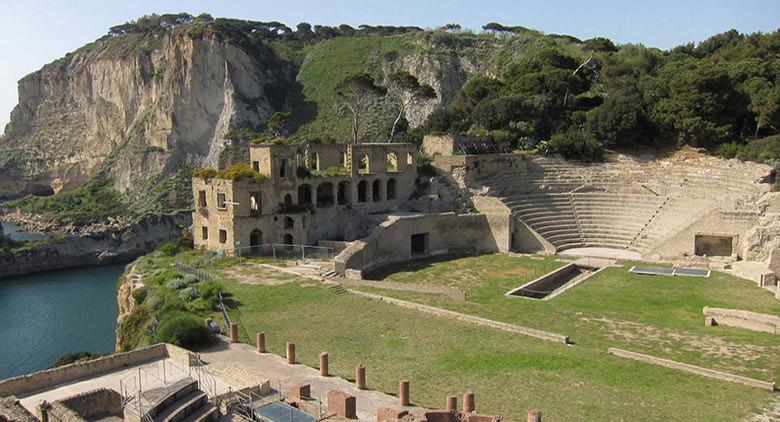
(658, 315)
(511, 373)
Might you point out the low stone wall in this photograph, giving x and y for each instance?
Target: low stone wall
(544, 335)
(390, 241)
(75, 371)
(744, 319)
(92, 405)
(711, 373)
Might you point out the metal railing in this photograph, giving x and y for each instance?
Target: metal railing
(197, 272)
(278, 251)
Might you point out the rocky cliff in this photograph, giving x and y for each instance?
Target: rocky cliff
(145, 104)
(94, 245)
(168, 100)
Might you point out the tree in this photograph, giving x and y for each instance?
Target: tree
(277, 123)
(354, 90)
(407, 86)
(600, 44)
(450, 27)
(620, 120)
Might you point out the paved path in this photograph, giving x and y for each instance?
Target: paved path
(224, 356)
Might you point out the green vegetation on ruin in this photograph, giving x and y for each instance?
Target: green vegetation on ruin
(511, 373)
(235, 172)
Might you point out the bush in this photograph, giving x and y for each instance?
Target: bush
(190, 278)
(189, 294)
(762, 150)
(139, 295)
(184, 330)
(209, 291)
(176, 283)
(154, 303)
(729, 150)
(574, 144)
(169, 249)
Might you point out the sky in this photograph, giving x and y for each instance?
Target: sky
(36, 32)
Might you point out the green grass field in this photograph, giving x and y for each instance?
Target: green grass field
(512, 373)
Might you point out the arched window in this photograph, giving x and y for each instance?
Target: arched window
(325, 194)
(344, 193)
(376, 191)
(314, 161)
(390, 189)
(289, 223)
(304, 194)
(409, 159)
(288, 199)
(365, 164)
(392, 162)
(362, 191)
(343, 160)
(255, 204)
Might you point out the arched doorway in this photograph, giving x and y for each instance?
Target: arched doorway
(376, 191)
(325, 194)
(288, 199)
(390, 189)
(304, 194)
(344, 193)
(255, 240)
(362, 191)
(287, 239)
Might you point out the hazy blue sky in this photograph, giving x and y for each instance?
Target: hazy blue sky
(35, 32)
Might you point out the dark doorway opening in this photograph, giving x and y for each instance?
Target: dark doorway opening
(419, 244)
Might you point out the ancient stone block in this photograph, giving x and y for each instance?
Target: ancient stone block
(360, 377)
(534, 415)
(301, 391)
(388, 414)
(234, 333)
(452, 403)
(342, 404)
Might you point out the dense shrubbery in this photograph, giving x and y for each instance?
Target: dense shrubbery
(184, 330)
(722, 92)
(94, 201)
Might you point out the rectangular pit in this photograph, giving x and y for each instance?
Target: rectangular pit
(555, 282)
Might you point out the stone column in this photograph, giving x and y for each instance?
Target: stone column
(403, 393)
(233, 332)
(468, 402)
(452, 403)
(290, 353)
(261, 342)
(360, 377)
(534, 416)
(324, 364)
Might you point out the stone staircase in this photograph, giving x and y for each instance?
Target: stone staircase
(181, 401)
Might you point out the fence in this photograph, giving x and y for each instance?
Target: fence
(279, 251)
(197, 272)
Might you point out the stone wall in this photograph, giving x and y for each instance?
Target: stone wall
(447, 233)
(67, 373)
(717, 222)
(91, 405)
(472, 167)
(744, 319)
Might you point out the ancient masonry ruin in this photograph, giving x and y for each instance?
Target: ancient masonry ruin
(367, 202)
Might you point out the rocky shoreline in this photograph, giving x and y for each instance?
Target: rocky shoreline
(110, 242)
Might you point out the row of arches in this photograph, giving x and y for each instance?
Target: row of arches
(324, 196)
(256, 238)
